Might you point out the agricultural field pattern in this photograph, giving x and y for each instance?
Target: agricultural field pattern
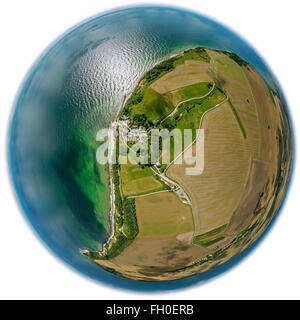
(166, 224)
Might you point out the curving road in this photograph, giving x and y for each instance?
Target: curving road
(190, 99)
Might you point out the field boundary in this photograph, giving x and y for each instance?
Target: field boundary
(238, 119)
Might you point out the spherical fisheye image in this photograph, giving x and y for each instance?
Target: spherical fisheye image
(150, 144)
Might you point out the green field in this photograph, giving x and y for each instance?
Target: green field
(193, 54)
(136, 180)
(210, 237)
(170, 64)
(187, 92)
(151, 109)
(190, 113)
(146, 106)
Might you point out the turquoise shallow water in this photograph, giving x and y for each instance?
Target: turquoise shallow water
(73, 91)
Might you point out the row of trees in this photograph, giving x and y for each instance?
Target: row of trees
(136, 97)
(202, 53)
(163, 67)
(125, 218)
(237, 59)
(142, 120)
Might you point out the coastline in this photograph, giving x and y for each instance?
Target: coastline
(111, 217)
(109, 170)
(112, 144)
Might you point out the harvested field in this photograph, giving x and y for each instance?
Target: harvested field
(185, 237)
(149, 258)
(216, 193)
(230, 77)
(163, 243)
(269, 118)
(210, 237)
(220, 244)
(273, 128)
(191, 72)
(246, 210)
(247, 161)
(162, 214)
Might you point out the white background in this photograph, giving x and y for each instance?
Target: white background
(29, 270)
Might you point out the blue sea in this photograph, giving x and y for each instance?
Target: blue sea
(75, 88)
